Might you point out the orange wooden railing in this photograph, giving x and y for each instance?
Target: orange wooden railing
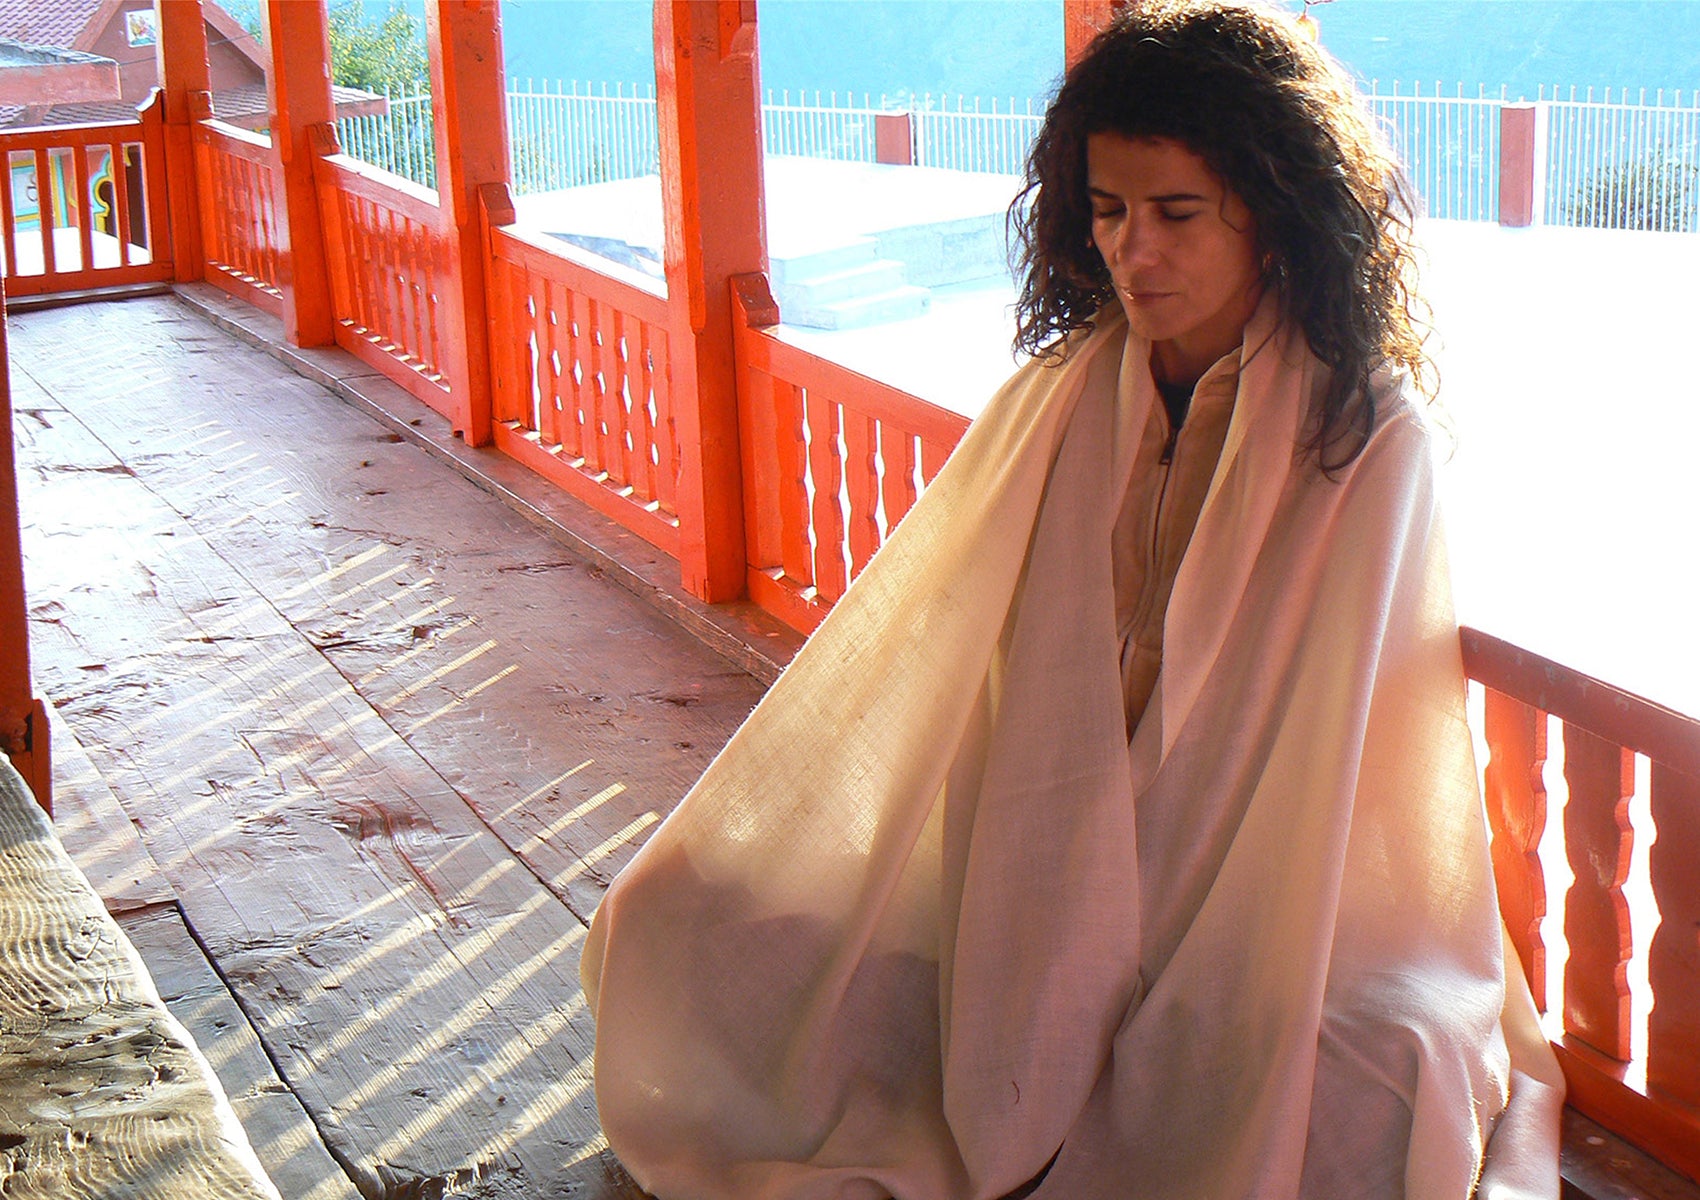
(388, 257)
(1649, 1093)
(582, 392)
(99, 215)
(241, 229)
(832, 462)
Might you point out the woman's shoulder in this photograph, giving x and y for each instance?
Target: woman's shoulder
(1405, 420)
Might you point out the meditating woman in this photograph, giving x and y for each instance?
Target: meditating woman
(1118, 834)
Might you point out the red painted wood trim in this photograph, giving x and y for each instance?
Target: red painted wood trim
(298, 92)
(826, 516)
(181, 56)
(861, 486)
(234, 141)
(1598, 1088)
(1661, 733)
(781, 596)
(578, 270)
(1082, 19)
(417, 384)
(1673, 962)
(390, 192)
(654, 526)
(855, 391)
(244, 288)
(1516, 799)
(1598, 841)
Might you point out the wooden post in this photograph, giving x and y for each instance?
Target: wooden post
(1521, 177)
(298, 90)
(894, 138)
(182, 54)
(23, 718)
(1082, 19)
(472, 153)
(711, 191)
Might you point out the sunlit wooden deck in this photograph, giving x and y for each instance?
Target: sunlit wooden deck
(353, 748)
(349, 746)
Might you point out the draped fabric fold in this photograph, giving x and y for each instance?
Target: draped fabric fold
(930, 925)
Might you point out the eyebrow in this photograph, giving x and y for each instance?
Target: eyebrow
(1166, 198)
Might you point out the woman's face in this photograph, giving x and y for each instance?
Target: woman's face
(1180, 246)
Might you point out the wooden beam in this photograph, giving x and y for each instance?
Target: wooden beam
(23, 719)
(465, 38)
(298, 92)
(1082, 19)
(709, 101)
(185, 80)
(59, 81)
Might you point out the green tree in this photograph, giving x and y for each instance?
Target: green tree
(377, 54)
(364, 54)
(1657, 192)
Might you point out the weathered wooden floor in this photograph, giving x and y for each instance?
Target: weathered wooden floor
(350, 747)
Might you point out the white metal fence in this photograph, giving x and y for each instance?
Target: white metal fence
(819, 125)
(1623, 164)
(1608, 162)
(1450, 148)
(403, 140)
(980, 138)
(567, 134)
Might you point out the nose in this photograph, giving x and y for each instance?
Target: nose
(1134, 246)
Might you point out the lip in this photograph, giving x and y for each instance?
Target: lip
(1143, 296)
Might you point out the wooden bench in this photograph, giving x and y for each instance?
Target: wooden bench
(102, 1091)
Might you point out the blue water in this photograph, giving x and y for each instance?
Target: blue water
(1014, 47)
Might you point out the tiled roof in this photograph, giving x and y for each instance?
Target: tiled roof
(45, 22)
(244, 106)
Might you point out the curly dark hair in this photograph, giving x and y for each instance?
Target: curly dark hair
(1272, 115)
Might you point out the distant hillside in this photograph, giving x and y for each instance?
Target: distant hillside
(1014, 47)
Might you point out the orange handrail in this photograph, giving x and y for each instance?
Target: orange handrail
(71, 165)
(386, 250)
(832, 462)
(241, 234)
(583, 389)
(1650, 1097)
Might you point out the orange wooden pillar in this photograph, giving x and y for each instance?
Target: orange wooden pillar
(23, 718)
(298, 91)
(709, 102)
(182, 55)
(1082, 19)
(472, 153)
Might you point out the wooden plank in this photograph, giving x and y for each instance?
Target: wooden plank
(656, 528)
(791, 492)
(1597, 841)
(1673, 967)
(897, 481)
(827, 513)
(101, 1092)
(1598, 1087)
(659, 375)
(1662, 734)
(284, 1137)
(1517, 810)
(97, 834)
(357, 692)
(1599, 1165)
(861, 469)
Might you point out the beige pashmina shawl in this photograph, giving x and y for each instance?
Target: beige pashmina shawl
(930, 924)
